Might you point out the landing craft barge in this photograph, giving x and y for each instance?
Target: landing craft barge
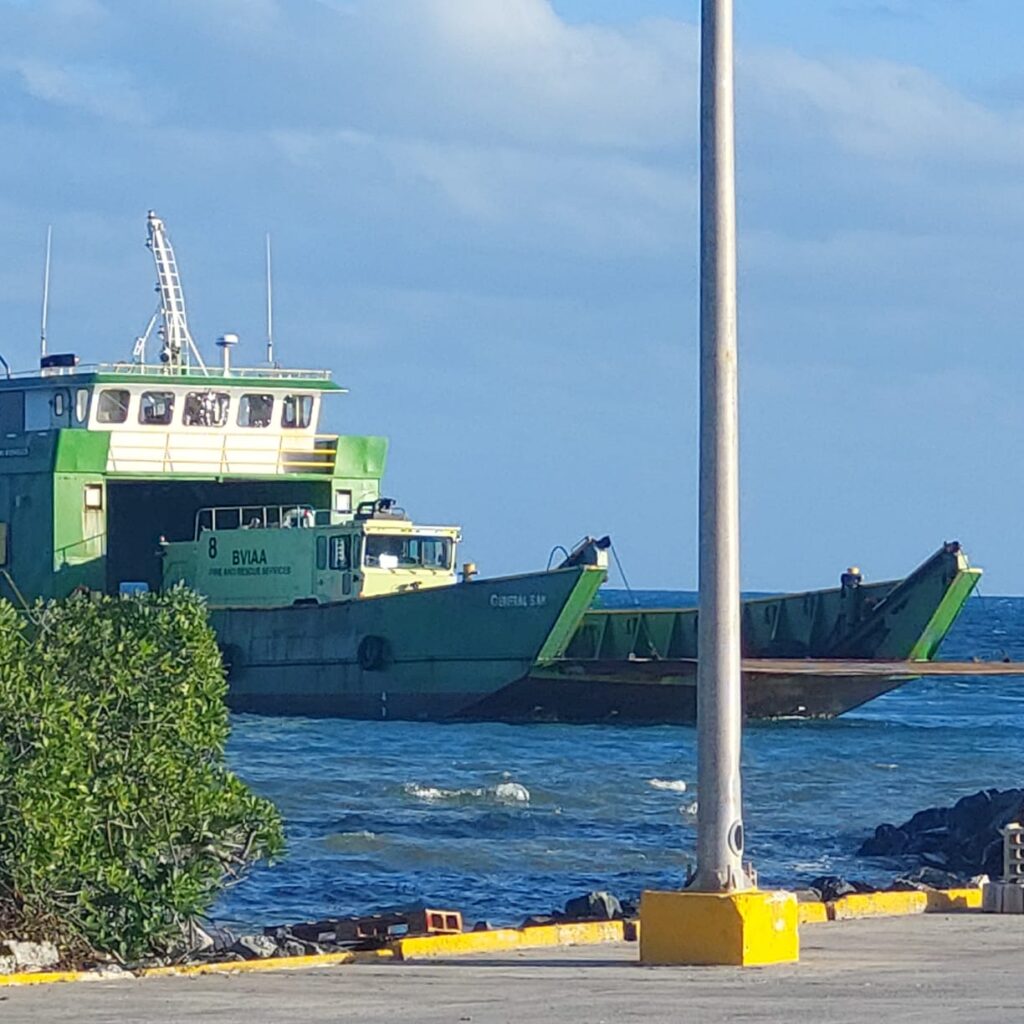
(327, 600)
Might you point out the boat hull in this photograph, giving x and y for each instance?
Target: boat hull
(425, 655)
(659, 693)
(530, 648)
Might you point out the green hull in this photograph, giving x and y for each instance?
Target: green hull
(530, 648)
(430, 654)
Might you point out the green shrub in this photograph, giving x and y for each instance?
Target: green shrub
(118, 817)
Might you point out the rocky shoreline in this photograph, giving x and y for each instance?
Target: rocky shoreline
(962, 841)
(939, 848)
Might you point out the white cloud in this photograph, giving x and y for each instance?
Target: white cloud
(880, 110)
(94, 89)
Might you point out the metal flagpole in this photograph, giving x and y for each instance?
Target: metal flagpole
(719, 711)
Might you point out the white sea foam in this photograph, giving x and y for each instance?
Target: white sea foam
(512, 793)
(675, 785)
(689, 810)
(434, 793)
(503, 793)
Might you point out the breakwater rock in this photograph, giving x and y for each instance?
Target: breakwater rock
(963, 840)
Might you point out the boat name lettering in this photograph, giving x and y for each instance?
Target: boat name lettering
(518, 600)
(7, 453)
(251, 570)
(254, 556)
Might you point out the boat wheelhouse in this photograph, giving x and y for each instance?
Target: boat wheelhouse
(99, 463)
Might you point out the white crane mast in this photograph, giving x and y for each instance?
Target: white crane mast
(178, 346)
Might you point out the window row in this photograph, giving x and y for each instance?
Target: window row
(385, 552)
(205, 409)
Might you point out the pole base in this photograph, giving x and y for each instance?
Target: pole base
(750, 928)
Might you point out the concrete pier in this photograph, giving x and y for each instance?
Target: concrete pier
(939, 968)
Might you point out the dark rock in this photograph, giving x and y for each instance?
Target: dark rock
(537, 920)
(962, 840)
(254, 947)
(928, 878)
(834, 887)
(923, 821)
(888, 841)
(807, 895)
(482, 926)
(594, 906)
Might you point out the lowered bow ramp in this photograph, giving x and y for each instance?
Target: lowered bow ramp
(639, 666)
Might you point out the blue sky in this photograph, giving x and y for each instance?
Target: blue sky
(484, 221)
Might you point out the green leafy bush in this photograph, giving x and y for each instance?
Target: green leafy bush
(119, 820)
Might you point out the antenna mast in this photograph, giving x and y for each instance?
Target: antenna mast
(46, 294)
(178, 346)
(270, 309)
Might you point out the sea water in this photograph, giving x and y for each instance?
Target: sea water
(503, 821)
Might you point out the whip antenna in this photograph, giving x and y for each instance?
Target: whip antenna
(270, 309)
(46, 293)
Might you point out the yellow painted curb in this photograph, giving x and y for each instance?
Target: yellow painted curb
(878, 904)
(812, 913)
(49, 977)
(947, 900)
(275, 963)
(578, 933)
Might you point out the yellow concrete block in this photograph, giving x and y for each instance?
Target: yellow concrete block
(947, 900)
(879, 904)
(812, 913)
(742, 929)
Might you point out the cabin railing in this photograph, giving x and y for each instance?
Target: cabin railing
(265, 517)
(88, 548)
(220, 452)
(160, 369)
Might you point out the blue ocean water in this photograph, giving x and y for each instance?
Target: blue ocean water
(503, 821)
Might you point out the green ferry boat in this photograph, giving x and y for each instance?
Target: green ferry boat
(328, 600)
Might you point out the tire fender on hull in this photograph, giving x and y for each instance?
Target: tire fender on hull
(374, 653)
(232, 658)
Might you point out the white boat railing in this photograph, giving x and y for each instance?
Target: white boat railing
(160, 369)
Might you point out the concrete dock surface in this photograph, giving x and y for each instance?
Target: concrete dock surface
(934, 968)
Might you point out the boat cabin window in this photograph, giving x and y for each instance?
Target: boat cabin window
(390, 552)
(59, 403)
(12, 412)
(255, 410)
(82, 404)
(206, 409)
(156, 408)
(297, 412)
(113, 406)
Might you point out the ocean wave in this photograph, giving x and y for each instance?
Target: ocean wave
(502, 793)
(352, 842)
(674, 785)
